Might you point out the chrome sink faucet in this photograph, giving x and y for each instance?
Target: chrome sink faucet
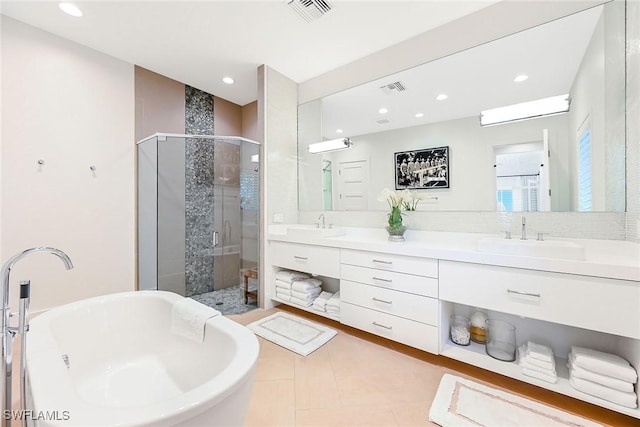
(524, 229)
(321, 216)
(9, 332)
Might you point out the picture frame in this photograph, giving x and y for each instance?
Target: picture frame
(422, 169)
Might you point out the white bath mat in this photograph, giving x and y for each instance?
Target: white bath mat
(293, 333)
(461, 402)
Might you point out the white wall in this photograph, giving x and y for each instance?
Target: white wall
(73, 108)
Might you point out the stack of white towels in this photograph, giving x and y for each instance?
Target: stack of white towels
(604, 375)
(537, 361)
(296, 287)
(328, 303)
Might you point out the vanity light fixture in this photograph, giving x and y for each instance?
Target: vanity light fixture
(228, 80)
(330, 145)
(70, 9)
(418, 115)
(442, 97)
(255, 158)
(383, 111)
(526, 110)
(520, 78)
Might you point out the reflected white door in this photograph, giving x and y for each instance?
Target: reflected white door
(353, 184)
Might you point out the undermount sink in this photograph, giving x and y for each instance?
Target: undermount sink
(313, 231)
(533, 248)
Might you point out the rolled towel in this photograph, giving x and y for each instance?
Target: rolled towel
(283, 296)
(544, 376)
(334, 301)
(604, 363)
(307, 296)
(188, 318)
(305, 285)
(628, 400)
(540, 352)
(585, 374)
(283, 285)
(290, 276)
(301, 302)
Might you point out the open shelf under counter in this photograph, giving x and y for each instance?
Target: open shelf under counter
(476, 355)
(309, 309)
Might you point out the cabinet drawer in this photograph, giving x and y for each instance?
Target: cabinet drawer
(312, 259)
(420, 285)
(409, 332)
(594, 303)
(402, 304)
(400, 263)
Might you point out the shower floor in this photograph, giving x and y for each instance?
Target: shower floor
(232, 299)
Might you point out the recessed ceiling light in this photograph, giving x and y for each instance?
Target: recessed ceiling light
(70, 9)
(442, 97)
(383, 111)
(339, 131)
(520, 78)
(418, 115)
(228, 80)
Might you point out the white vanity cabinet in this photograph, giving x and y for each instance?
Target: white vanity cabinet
(317, 260)
(392, 296)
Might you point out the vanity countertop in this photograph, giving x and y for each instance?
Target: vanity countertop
(614, 259)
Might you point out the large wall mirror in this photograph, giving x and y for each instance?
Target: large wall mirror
(574, 161)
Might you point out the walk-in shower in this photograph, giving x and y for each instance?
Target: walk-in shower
(198, 211)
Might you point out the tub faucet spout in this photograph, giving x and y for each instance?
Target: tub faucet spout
(321, 217)
(9, 332)
(524, 229)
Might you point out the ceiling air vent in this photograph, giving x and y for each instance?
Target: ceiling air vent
(394, 87)
(310, 10)
(382, 121)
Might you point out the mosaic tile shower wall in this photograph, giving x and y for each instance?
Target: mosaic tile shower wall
(199, 197)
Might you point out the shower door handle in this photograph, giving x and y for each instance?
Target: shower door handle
(216, 239)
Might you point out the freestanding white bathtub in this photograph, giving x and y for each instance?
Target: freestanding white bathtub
(126, 368)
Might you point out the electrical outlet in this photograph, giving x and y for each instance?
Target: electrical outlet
(278, 218)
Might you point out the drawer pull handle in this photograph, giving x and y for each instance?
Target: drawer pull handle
(381, 300)
(379, 261)
(523, 293)
(383, 326)
(304, 258)
(382, 280)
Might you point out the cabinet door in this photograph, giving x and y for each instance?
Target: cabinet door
(598, 304)
(319, 260)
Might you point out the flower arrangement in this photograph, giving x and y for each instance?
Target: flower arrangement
(398, 201)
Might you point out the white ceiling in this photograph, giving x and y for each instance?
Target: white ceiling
(199, 42)
(474, 80)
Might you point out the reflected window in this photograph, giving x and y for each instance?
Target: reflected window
(584, 172)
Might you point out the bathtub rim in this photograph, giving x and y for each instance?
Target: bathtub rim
(42, 370)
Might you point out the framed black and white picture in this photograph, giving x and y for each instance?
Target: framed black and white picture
(422, 169)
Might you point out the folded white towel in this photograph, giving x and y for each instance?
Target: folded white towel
(307, 296)
(540, 352)
(628, 400)
(317, 308)
(604, 363)
(305, 285)
(548, 377)
(188, 318)
(532, 364)
(283, 296)
(283, 291)
(331, 309)
(597, 378)
(283, 285)
(290, 276)
(334, 301)
(321, 301)
(301, 302)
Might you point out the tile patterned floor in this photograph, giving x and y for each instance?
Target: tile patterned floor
(232, 299)
(355, 381)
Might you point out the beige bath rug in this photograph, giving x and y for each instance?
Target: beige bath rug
(461, 402)
(292, 332)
